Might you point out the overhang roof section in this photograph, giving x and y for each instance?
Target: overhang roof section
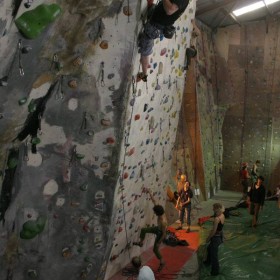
(219, 13)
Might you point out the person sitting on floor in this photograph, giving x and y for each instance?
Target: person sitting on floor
(159, 231)
(165, 13)
(143, 272)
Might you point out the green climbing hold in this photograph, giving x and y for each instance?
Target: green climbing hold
(32, 23)
(32, 106)
(84, 187)
(36, 140)
(22, 101)
(79, 156)
(12, 163)
(32, 228)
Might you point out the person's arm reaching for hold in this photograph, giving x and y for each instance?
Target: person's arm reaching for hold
(169, 7)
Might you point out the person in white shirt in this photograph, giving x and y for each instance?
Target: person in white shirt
(144, 272)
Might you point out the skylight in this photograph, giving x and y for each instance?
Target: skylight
(253, 7)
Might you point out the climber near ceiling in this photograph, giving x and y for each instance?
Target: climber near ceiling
(160, 22)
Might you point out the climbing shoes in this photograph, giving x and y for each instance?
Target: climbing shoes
(141, 76)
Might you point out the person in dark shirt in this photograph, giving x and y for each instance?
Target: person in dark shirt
(215, 238)
(164, 15)
(256, 197)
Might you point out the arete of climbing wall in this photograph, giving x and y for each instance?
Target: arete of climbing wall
(248, 94)
(208, 120)
(80, 140)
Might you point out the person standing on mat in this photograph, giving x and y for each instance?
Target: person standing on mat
(215, 238)
(256, 196)
(164, 15)
(159, 231)
(184, 201)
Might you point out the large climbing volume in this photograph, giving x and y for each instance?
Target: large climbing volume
(32, 23)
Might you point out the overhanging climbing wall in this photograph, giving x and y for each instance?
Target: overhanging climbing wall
(80, 140)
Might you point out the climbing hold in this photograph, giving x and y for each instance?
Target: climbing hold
(78, 61)
(145, 107)
(131, 151)
(32, 228)
(104, 45)
(125, 175)
(50, 188)
(163, 51)
(137, 117)
(35, 140)
(84, 187)
(111, 76)
(132, 101)
(155, 65)
(66, 252)
(22, 101)
(127, 10)
(32, 106)
(105, 122)
(110, 140)
(160, 68)
(32, 273)
(32, 23)
(105, 164)
(79, 156)
(73, 84)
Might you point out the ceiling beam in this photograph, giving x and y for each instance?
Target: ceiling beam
(215, 6)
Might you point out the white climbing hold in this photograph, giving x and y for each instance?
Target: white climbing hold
(73, 104)
(50, 188)
(34, 159)
(60, 201)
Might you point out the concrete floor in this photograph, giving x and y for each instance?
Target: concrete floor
(201, 209)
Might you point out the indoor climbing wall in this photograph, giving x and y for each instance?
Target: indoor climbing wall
(209, 122)
(149, 137)
(81, 141)
(247, 59)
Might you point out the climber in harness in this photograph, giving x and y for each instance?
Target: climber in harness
(160, 22)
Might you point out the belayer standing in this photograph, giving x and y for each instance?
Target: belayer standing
(184, 201)
(164, 15)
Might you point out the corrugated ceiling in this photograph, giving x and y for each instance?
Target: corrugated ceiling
(218, 13)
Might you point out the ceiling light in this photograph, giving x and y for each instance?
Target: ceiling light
(253, 7)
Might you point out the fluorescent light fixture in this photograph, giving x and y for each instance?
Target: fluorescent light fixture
(253, 7)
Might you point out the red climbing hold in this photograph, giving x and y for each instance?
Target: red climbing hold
(137, 117)
(110, 140)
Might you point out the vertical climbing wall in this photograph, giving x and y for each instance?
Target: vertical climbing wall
(209, 122)
(150, 132)
(248, 89)
(80, 140)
